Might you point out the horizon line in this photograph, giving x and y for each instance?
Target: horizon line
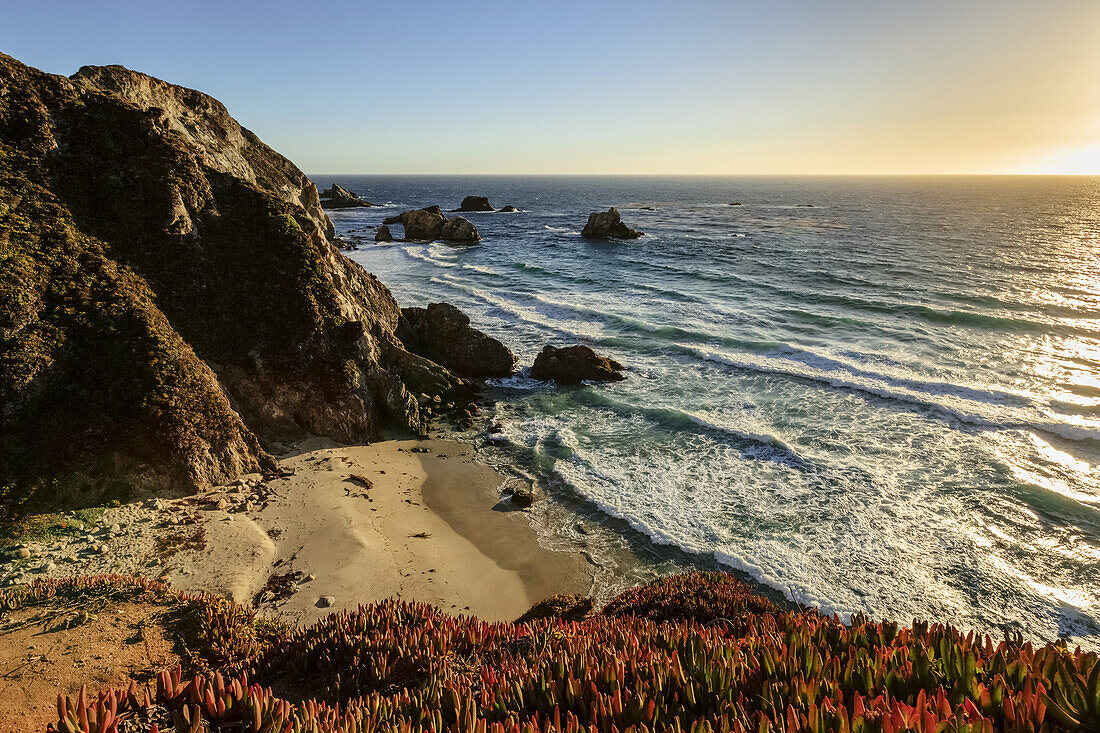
(733, 175)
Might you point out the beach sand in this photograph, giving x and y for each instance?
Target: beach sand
(430, 528)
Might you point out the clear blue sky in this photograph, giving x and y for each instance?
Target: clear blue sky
(616, 87)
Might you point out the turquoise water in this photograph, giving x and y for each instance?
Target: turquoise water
(887, 402)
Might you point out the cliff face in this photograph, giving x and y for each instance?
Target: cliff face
(169, 298)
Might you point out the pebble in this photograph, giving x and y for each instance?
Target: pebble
(325, 601)
(222, 504)
(23, 553)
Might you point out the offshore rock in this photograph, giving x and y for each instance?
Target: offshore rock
(509, 209)
(338, 197)
(474, 203)
(170, 297)
(575, 364)
(443, 334)
(608, 225)
(458, 229)
(383, 234)
(429, 224)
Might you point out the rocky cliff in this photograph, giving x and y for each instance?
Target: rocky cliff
(170, 302)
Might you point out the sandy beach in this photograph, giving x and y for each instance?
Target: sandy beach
(431, 527)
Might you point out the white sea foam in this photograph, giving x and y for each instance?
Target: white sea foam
(419, 253)
(569, 327)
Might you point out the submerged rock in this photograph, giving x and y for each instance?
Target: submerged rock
(509, 209)
(443, 334)
(338, 197)
(608, 225)
(474, 203)
(575, 364)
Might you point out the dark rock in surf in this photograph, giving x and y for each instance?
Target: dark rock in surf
(429, 224)
(338, 197)
(458, 229)
(520, 496)
(443, 334)
(474, 203)
(608, 225)
(575, 364)
(383, 234)
(509, 209)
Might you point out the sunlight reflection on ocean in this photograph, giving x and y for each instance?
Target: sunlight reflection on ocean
(886, 402)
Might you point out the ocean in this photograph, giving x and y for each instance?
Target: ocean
(871, 395)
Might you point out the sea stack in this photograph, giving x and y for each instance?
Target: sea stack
(338, 197)
(608, 225)
(430, 224)
(475, 203)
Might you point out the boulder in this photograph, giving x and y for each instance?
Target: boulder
(459, 229)
(508, 209)
(338, 197)
(474, 203)
(575, 364)
(383, 234)
(423, 224)
(520, 496)
(442, 334)
(429, 224)
(608, 225)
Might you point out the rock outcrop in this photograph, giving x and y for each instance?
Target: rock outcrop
(338, 197)
(383, 234)
(509, 209)
(442, 333)
(608, 225)
(430, 224)
(170, 298)
(575, 364)
(474, 203)
(458, 229)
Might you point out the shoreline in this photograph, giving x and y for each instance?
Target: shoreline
(430, 528)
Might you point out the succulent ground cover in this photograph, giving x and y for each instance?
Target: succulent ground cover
(697, 652)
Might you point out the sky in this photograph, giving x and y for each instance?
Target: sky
(639, 87)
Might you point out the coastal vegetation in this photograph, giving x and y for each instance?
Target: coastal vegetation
(697, 652)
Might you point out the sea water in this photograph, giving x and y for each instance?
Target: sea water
(872, 395)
